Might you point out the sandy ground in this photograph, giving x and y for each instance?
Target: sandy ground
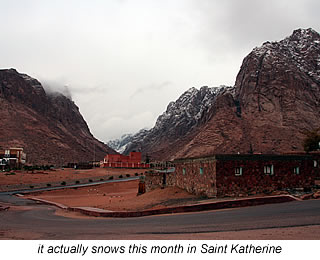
(118, 196)
(24, 177)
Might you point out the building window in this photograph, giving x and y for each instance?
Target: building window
(7, 153)
(184, 171)
(201, 170)
(238, 171)
(315, 163)
(296, 170)
(268, 169)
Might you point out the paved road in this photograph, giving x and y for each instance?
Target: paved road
(40, 222)
(67, 186)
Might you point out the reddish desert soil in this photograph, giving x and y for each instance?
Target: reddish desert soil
(24, 177)
(121, 196)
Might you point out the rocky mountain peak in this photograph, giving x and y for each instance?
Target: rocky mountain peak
(188, 108)
(179, 119)
(304, 35)
(298, 55)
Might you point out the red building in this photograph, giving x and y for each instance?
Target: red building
(133, 160)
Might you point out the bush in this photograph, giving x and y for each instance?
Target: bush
(31, 186)
(136, 174)
(63, 183)
(90, 180)
(128, 175)
(48, 185)
(120, 176)
(77, 182)
(101, 179)
(111, 178)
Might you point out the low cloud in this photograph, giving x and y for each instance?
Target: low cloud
(151, 88)
(114, 127)
(52, 88)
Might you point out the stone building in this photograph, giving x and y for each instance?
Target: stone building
(243, 175)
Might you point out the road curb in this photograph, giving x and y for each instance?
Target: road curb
(247, 202)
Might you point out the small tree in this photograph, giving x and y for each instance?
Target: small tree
(312, 141)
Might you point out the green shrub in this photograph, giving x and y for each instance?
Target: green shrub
(48, 184)
(111, 178)
(128, 175)
(63, 183)
(120, 176)
(77, 182)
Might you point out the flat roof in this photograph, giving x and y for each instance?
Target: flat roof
(249, 157)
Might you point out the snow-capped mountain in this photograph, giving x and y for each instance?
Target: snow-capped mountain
(125, 140)
(275, 100)
(180, 117)
(120, 144)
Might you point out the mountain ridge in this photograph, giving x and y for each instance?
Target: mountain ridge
(275, 99)
(49, 127)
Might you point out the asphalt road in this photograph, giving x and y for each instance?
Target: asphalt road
(67, 186)
(40, 222)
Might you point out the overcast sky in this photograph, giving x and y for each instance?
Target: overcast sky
(125, 60)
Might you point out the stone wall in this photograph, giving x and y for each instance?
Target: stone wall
(197, 176)
(154, 180)
(254, 180)
(215, 176)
